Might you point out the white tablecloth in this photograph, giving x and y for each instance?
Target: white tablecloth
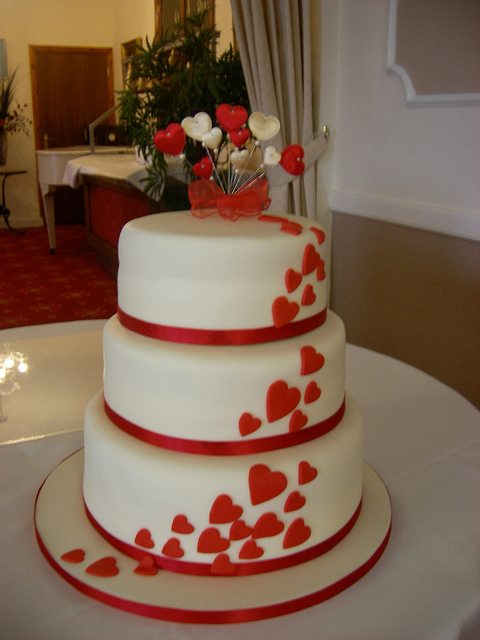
(423, 439)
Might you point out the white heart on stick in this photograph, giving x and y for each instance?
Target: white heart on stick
(263, 127)
(212, 138)
(198, 126)
(239, 158)
(271, 156)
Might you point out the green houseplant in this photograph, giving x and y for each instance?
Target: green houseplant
(175, 76)
(12, 116)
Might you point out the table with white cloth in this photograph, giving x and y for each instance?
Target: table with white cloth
(422, 438)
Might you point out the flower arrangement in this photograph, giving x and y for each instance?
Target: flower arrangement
(224, 183)
(12, 114)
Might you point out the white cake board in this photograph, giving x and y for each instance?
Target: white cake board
(62, 525)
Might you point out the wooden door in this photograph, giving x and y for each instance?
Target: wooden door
(71, 87)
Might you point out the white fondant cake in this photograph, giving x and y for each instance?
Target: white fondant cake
(223, 445)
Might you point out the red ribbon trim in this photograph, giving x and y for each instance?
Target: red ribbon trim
(242, 568)
(207, 198)
(227, 448)
(221, 337)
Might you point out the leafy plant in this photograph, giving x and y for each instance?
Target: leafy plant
(175, 76)
(12, 116)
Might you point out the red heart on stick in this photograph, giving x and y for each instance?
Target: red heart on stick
(291, 159)
(170, 140)
(231, 118)
(204, 168)
(239, 136)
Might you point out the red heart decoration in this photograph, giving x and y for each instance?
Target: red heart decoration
(231, 118)
(170, 140)
(281, 400)
(297, 533)
(173, 549)
(308, 296)
(291, 227)
(267, 526)
(294, 502)
(306, 473)
(311, 259)
(210, 541)
(312, 392)
(222, 565)
(248, 424)
(321, 275)
(147, 567)
(311, 360)
(297, 421)
(103, 568)
(320, 233)
(265, 484)
(223, 510)
(75, 556)
(181, 524)
(239, 136)
(239, 530)
(291, 159)
(283, 311)
(144, 539)
(250, 551)
(204, 168)
(293, 280)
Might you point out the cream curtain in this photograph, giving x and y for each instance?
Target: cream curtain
(275, 47)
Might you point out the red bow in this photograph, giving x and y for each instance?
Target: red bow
(206, 198)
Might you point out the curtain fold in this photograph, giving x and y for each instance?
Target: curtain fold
(274, 41)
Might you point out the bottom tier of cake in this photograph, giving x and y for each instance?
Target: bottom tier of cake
(223, 515)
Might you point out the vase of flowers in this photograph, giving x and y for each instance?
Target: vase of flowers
(12, 114)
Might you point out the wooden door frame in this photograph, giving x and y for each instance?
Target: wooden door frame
(108, 51)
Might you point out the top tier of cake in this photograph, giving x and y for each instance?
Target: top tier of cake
(210, 274)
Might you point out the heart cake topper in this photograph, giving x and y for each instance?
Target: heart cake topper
(230, 157)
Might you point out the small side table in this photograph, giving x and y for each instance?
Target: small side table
(4, 212)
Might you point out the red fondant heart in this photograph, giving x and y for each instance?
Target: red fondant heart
(173, 549)
(311, 259)
(320, 233)
(267, 526)
(239, 136)
(294, 502)
(75, 556)
(312, 392)
(265, 484)
(231, 118)
(297, 421)
(297, 533)
(291, 159)
(321, 275)
(239, 530)
(223, 510)
(248, 424)
(283, 311)
(222, 566)
(292, 280)
(308, 296)
(204, 168)
(170, 140)
(291, 227)
(103, 568)
(147, 567)
(144, 539)
(250, 551)
(181, 524)
(306, 473)
(281, 400)
(210, 541)
(312, 361)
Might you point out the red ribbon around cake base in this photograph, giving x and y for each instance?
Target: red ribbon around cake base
(207, 198)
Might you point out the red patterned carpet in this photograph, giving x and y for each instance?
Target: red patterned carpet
(37, 287)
